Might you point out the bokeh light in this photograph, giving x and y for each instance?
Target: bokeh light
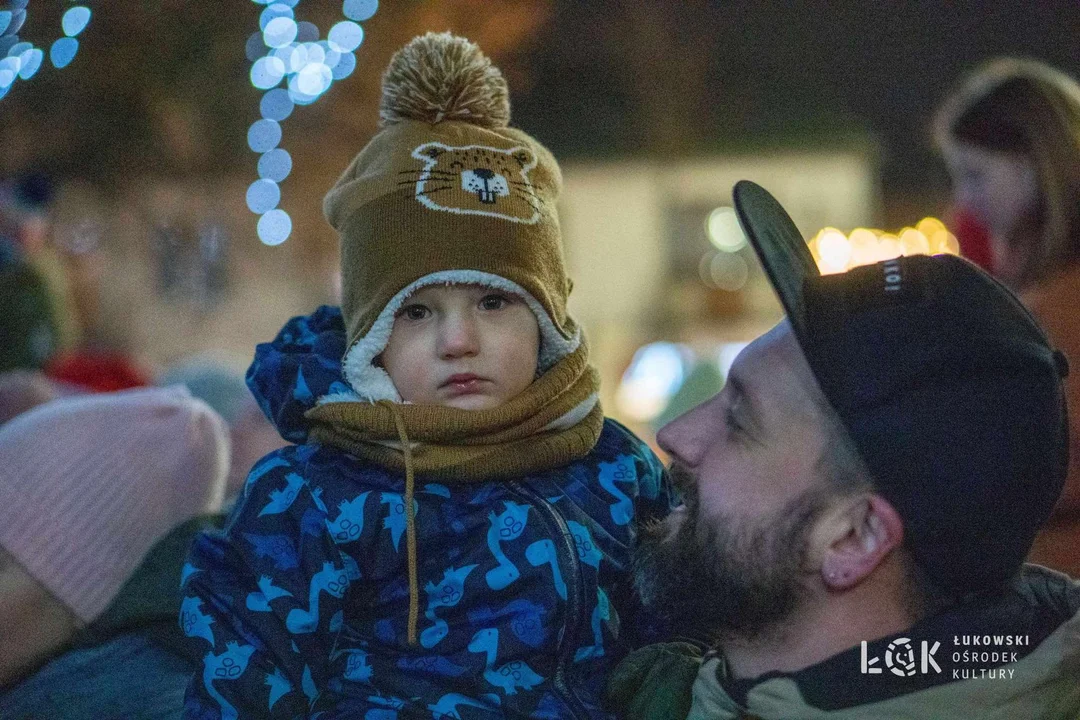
(836, 252)
(20, 59)
(276, 105)
(291, 51)
(63, 52)
(75, 20)
(360, 10)
(654, 375)
(264, 135)
(275, 165)
(274, 227)
(345, 37)
(724, 231)
(263, 196)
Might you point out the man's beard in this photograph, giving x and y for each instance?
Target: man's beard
(726, 578)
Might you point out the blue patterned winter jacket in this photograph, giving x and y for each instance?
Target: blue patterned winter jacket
(300, 606)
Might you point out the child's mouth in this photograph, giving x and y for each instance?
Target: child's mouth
(463, 384)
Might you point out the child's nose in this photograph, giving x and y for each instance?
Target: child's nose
(458, 336)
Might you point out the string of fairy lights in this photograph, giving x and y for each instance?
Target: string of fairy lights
(293, 65)
(21, 59)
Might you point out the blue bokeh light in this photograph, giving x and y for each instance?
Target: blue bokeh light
(5, 20)
(255, 48)
(267, 72)
(18, 17)
(275, 165)
(264, 135)
(298, 58)
(276, 105)
(11, 64)
(19, 48)
(31, 63)
(263, 196)
(63, 52)
(274, 227)
(345, 66)
(359, 10)
(279, 32)
(345, 36)
(315, 79)
(292, 51)
(274, 11)
(75, 20)
(297, 94)
(307, 32)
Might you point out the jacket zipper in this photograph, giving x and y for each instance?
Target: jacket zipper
(574, 601)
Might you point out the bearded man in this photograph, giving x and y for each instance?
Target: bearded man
(859, 499)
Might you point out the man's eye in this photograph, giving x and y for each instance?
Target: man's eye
(493, 302)
(732, 424)
(413, 312)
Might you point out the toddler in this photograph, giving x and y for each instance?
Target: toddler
(451, 535)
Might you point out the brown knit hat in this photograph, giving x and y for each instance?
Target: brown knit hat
(446, 193)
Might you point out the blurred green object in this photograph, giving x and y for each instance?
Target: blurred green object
(704, 381)
(28, 331)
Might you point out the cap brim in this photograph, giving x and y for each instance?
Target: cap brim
(779, 246)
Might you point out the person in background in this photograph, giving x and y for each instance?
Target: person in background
(23, 390)
(28, 319)
(100, 496)
(252, 435)
(26, 228)
(1010, 136)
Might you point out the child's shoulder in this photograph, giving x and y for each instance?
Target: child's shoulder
(318, 465)
(616, 437)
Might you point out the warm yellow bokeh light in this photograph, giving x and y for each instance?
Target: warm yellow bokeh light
(836, 252)
(914, 242)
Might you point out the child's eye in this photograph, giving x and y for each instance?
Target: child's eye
(413, 312)
(494, 302)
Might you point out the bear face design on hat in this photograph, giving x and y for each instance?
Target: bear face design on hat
(446, 192)
(478, 180)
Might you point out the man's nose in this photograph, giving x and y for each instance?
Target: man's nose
(458, 335)
(687, 437)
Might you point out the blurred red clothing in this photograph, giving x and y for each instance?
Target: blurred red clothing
(97, 371)
(973, 238)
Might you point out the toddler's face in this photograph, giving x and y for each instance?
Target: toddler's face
(463, 346)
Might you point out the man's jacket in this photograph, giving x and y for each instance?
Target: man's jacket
(1035, 628)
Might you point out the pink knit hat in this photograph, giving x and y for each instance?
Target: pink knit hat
(88, 484)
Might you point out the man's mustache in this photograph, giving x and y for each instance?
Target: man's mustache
(684, 482)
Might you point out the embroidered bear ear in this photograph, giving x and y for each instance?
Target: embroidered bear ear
(429, 151)
(439, 76)
(524, 157)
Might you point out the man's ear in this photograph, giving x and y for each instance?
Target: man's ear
(855, 538)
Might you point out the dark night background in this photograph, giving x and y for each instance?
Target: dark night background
(700, 76)
(161, 86)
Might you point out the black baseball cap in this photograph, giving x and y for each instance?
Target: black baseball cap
(948, 387)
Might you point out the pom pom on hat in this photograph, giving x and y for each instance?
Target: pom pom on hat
(439, 76)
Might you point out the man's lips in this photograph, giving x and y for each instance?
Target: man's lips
(463, 383)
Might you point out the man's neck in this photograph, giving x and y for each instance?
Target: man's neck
(832, 626)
